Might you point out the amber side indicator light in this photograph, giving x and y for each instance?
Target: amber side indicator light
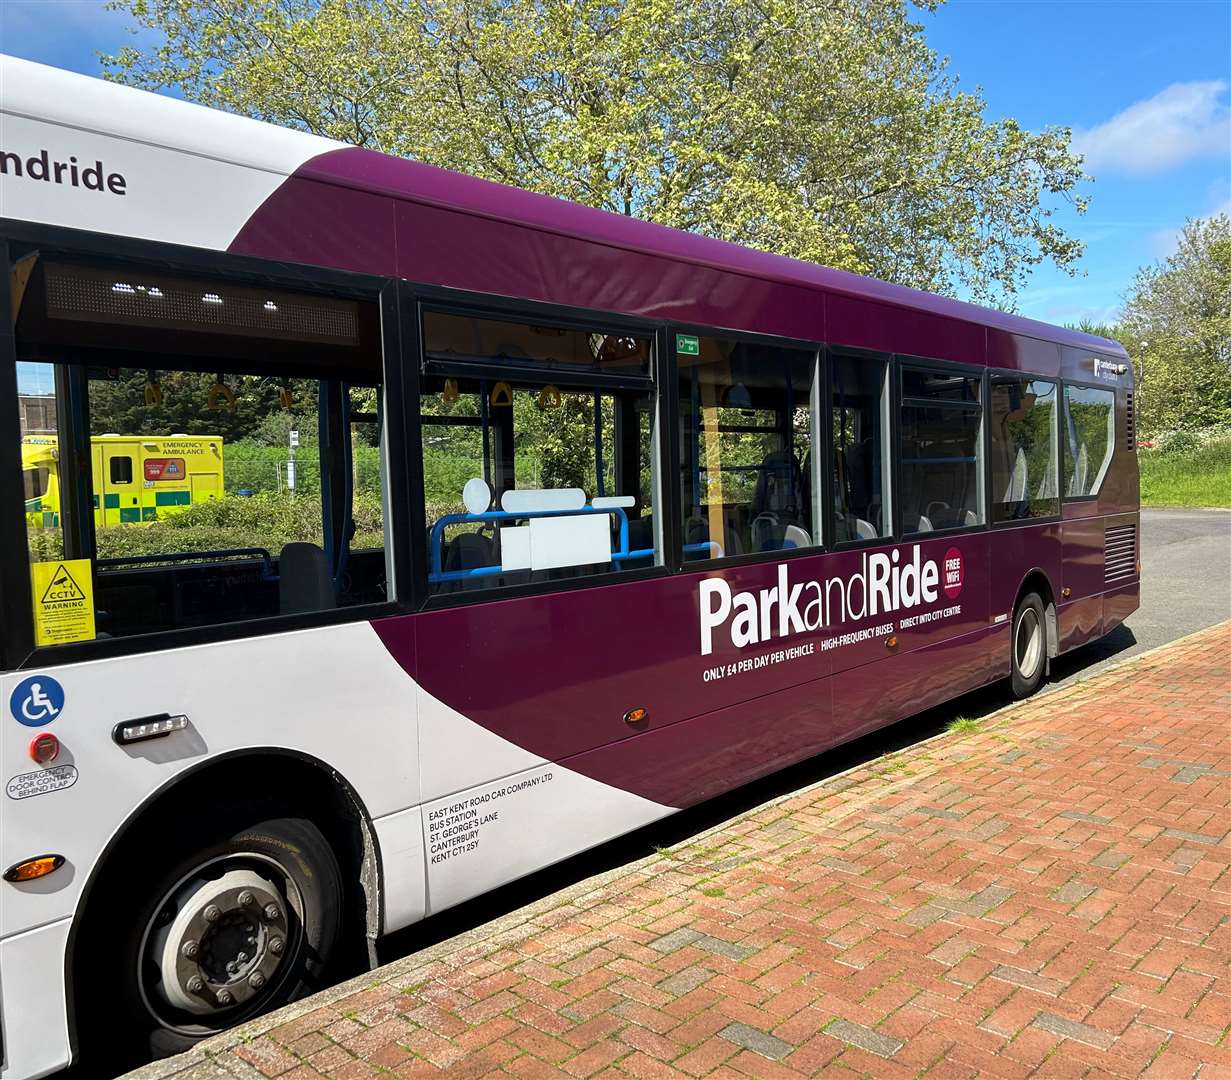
(29, 869)
(637, 716)
(892, 643)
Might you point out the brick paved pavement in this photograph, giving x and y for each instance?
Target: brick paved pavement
(1047, 895)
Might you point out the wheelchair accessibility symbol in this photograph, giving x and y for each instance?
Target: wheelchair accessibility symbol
(36, 701)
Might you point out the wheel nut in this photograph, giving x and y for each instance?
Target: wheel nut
(189, 950)
(276, 945)
(195, 985)
(256, 980)
(224, 997)
(211, 912)
(246, 898)
(271, 911)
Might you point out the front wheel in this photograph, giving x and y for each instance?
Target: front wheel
(1028, 646)
(244, 923)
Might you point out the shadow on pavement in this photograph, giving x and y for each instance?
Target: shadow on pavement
(687, 823)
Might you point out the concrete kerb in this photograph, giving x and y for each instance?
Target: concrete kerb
(203, 1062)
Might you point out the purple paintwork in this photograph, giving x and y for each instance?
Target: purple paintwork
(555, 673)
(453, 229)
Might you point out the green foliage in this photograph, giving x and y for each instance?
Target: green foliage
(118, 405)
(1188, 471)
(1176, 325)
(248, 466)
(829, 132)
(267, 521)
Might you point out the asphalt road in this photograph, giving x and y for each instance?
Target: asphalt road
(1186, 585)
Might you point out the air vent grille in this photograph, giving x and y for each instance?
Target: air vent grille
(1130, 428)
(1119, 553)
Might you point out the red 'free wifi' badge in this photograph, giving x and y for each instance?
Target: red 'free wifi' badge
(952, 573)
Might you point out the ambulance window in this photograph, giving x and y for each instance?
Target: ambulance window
(121, 470)
(196, 452)
(35, 483)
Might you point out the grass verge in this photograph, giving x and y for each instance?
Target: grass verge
(1197, 476)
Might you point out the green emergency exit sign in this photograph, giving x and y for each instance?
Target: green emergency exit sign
(687, 345)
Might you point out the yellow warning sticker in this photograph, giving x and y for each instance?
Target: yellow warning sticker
(63, 601)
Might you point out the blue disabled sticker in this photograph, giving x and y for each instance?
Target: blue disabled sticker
(37, 700)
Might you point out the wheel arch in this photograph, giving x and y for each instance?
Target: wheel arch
(301, 777)
(1036, 580)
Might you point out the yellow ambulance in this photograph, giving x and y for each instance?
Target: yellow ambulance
(135, 478)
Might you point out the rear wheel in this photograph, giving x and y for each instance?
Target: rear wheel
(245, 921)
(1028, 646)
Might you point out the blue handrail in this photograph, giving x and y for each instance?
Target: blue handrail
(436, 542)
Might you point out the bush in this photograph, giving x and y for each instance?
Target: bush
(266, 521)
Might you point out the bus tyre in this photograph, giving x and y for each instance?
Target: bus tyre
(247, 922)
(1028, 646)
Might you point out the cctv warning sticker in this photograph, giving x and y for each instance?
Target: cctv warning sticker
(63, 593)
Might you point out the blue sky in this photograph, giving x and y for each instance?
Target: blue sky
(1145, 85)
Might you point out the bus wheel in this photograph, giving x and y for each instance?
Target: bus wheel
(245, 923)
(1028, 646)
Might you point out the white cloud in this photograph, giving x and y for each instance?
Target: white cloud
(1163, 242)
(1185, 121)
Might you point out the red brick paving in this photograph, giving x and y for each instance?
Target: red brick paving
(1046, 896)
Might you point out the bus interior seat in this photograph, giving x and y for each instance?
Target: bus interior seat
(796, 536)
(779, 484)
(850, 527)
(641, 537)
(697, 531)
(468, 551)
(304, 581)
(925, 524)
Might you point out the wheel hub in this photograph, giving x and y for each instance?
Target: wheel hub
(1029, 643)
(224, 944)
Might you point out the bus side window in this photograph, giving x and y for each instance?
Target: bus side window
(240, 479)
(747, 447)
(1023, 417)
(538, 452)
(859, 433)
(941, 450)
(1089, 438)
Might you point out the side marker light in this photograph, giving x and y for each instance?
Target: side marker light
(29, 869)
(637, 716)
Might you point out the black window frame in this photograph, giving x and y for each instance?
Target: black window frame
(1058, 383)
(417, 298)
(17, 648)
(1113, 441)
(820, 357)
(944, 367)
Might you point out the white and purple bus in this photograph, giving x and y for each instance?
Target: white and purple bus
(538, 524)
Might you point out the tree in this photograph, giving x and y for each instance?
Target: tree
(119, 405)
(824, 131)
(1176, 325)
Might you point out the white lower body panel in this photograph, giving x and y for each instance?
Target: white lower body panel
(33, 1001)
